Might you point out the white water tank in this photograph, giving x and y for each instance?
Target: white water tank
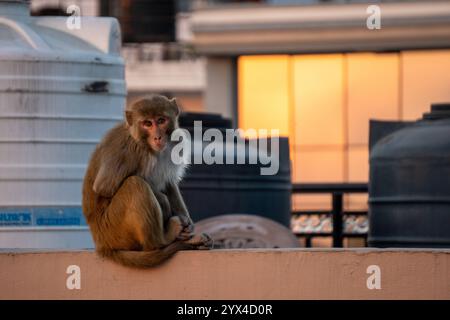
(61, 89)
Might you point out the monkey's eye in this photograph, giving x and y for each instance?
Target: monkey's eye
(147, 123)
(161, 120)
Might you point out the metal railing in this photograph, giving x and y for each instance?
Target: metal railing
(337, 191)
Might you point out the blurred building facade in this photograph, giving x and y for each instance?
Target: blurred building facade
(318, 73)
(311, 68)
(160, 57)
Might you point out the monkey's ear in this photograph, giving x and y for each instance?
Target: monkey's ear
(129, 117)
(175, 106)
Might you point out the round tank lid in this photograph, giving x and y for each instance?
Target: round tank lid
(438, 111)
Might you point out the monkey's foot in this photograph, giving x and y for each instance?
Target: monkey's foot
(185, 236)
(175, 229)
(201, 241)
(187, 233)
(187, 224)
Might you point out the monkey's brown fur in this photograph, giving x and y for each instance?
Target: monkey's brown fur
(131, 200)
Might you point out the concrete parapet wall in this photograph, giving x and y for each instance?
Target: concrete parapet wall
(232, 274)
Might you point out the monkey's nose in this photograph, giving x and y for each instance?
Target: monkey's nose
(158, 138)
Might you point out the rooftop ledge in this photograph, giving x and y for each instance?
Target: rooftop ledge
(267, 29)
(231, 274)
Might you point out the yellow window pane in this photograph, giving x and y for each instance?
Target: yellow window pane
(319, 165)
(318, 91)
(356, 202)
(426, 79)
(354, 243)
(358, 164)
(263, 93)
(311, 202)
(322, 242)
(373, 92)
(358, 171)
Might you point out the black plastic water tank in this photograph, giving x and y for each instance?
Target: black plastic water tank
(216, 189)
(409, 188)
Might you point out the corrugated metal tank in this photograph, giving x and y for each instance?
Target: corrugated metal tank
(61, 89)
(409, 189)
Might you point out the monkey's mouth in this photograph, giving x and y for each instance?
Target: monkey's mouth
(158, 146)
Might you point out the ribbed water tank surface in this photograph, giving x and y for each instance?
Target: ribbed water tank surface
(409, 189)
(237, 187)
(61, 89)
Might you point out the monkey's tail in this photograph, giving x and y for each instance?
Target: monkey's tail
(145, 259)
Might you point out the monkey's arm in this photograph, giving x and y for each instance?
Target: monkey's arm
(111, 174)
(164, 204)
(178, 206)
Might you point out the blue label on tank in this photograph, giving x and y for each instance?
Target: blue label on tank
(9, 218)
(42, 216)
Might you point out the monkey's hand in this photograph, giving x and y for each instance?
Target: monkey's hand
(188, 226)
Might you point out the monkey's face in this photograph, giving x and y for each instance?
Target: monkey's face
(156, 132)
(152, 120)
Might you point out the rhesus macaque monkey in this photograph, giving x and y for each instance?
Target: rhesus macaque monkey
(131, 198)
